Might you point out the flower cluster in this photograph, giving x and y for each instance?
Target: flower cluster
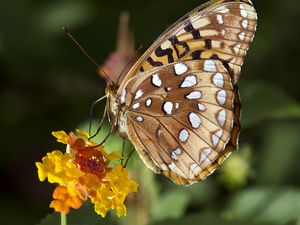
(84, 172)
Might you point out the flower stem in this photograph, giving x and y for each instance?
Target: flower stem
(63, 219)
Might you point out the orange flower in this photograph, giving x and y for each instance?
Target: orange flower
(82, 172)
(63, 200)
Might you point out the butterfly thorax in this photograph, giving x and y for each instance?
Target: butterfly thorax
(116, 112)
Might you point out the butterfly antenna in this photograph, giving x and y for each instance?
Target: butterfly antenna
(130, 62)
(67, 32)
(91, 116)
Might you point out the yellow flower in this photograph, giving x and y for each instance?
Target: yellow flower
(103, 200)
(118, 200)
(61, 136)
(83, 173)
(113, 194)
(119, 181)
(107, 199)
(58, 168)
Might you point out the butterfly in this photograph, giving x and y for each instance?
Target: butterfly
(179, 104)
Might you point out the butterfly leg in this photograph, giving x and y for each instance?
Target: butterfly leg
(128, 157)
(113, 129)
(123, 149)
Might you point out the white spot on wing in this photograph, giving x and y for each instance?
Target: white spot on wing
(168, 107)
(222, 117)
(176, 153)
(194, 171)
(183, 135)
(180, 68)
(166, 44)
(195, 120)
(242, 36)
(223, 32)
(138, 94)
(194, 95)
(218, 80)
(156, 81)
(245, 24)
(123, 95)
(237, 48)
(148, 102)
(176, 105)
(181, 31)
(136, 106)
(158, 132)
(216, 137)
(189, 81)
(164, 167)
(199, 22)
(221, 96)
(243, 11)
(176, 170)
(220, 19)
(139, 119)
(224, 10)
(201, 107)
(204, 154)
(210, 66)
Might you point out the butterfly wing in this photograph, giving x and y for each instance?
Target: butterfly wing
(181, 96)
(220, 29)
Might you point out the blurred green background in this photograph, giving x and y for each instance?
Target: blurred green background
(47, 84)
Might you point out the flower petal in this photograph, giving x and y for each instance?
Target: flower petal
(61, 136)
(83, 133)
(58, 168)
(63, 200)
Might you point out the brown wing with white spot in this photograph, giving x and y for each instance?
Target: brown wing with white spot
(180, 118)
(219, 29)
(181, 99)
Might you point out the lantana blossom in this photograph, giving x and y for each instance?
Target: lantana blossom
(83, 172)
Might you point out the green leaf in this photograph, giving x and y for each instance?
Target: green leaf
(264, 101)
(274, 205)
(83, 216)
